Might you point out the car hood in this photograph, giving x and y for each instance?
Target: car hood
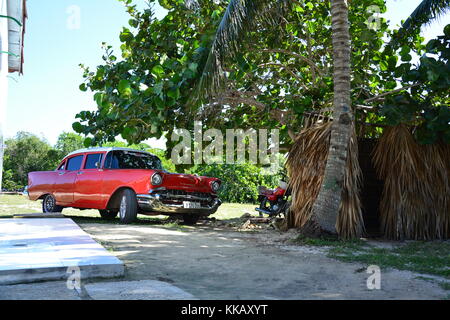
(188, 182)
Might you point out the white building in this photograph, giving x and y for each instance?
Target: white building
(13, 14)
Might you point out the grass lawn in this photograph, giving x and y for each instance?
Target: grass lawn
(16, 204)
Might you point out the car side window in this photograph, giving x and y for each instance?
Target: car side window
(111, 161)
(92, 159)
(108, 159)
(62, 166)
(74, 163)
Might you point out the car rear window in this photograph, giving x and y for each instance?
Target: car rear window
(74, 163)
(91, 159)
(131, 160)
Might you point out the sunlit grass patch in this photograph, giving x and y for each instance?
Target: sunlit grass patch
(431, 257)
(427, 257)
(18, 204)
(234, 210)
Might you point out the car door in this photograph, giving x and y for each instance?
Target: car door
(88, 184)
(64, 184)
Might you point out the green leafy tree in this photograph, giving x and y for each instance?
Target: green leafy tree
(423, 101)
(240, 182)
(239, 19)
(8, 182)
(68, 142)
(147, 93)
(259, 65)
(144, 94)
(25, 153)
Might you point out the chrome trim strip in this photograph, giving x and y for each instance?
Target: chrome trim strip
(152, 202)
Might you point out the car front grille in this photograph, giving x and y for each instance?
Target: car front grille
(181, 195)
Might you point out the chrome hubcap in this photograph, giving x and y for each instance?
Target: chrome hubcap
(123, 207)
(49, 203)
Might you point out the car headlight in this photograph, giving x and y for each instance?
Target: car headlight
(156, 179)
(215, 185)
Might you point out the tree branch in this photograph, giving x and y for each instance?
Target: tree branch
(380, 96)
(311, 63)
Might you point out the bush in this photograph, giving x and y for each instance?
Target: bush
(24, 153)
(8, 183)
(239, 181)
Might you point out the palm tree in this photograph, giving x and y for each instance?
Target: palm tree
(241, 16)
(326, 206)
(425, 13)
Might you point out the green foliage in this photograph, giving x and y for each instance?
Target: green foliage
(430, 257)
(279, 70)
(8, 182)
(144, 94)
(239, 182)
(68, 142)
(25, 153)
(427, 103)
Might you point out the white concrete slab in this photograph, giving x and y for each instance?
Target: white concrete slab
(42, 249)
(136, 290)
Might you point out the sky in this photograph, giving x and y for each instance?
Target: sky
(46, 98)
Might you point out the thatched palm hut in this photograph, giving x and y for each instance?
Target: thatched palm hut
(415, 201)
(306, 165)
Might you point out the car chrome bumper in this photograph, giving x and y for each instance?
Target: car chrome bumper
(157, 203)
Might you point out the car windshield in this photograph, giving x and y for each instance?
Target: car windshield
(131, 160)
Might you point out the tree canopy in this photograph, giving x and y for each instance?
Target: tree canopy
(282, 70)
(27, 152)
(24, 153)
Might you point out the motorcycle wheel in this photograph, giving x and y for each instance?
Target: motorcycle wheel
(263, 205)
(284, 207)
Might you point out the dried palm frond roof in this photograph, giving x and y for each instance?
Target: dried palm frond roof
(415, 202)
(306, 166)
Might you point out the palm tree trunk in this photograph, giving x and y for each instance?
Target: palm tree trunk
(326, 206)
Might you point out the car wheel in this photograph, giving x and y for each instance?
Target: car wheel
(190, 218)
(108, 214)
(49, 204)
(128, 206)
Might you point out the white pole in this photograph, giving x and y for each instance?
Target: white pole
(3, 78)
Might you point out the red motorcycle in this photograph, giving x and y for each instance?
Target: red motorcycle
(273, 201)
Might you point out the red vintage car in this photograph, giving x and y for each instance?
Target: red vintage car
(123, 181)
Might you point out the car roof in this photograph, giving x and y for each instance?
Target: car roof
(106, 149)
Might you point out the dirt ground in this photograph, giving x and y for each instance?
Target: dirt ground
(213, 262)
(217, 261)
